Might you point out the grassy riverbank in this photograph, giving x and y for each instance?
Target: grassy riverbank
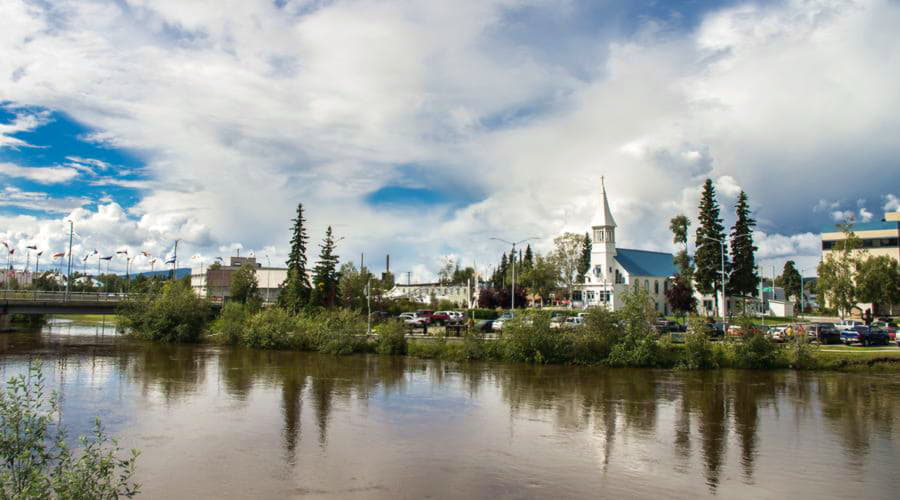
(624, 338)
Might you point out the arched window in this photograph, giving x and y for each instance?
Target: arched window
(656, 287)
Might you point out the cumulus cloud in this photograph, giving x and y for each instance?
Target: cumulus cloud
(242, 111)
(891, 203)
(43, 175)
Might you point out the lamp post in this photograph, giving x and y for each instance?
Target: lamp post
(512, 295)
(69, 273)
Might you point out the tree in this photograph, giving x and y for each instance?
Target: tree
(681, 296)
(584, 265)
(790, 280)
(543, 277)
(836, 282)
(295, 293)
(743, 279)
(325, 275)
(708, 258)
(567, 257)
(501, 276)
(528, 261)
(245, 286)
(679, 226)
(446, 272)
(352, 286)
(878, 282)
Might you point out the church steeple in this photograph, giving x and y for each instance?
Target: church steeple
(604, 216)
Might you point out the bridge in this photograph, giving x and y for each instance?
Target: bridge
(39, 302)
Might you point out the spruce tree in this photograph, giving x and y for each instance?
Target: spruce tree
(325, 274)
(584, 264)
(709, 252)
(743, 279)
(504, 266)
(295, 290)
(528, 261)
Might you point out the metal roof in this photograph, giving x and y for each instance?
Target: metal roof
(646, 263)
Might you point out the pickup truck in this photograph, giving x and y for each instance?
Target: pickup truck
(865, 335)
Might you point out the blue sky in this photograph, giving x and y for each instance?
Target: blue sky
(421, 128)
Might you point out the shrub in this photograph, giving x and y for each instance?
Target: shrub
(698, 351)
(801, 353)
(638, 346)
(341, 332)
(756, 351)
(271, 328)
(531, 341)
(37, 462)
(473, 346)
(593, 342)
(232, 322)
(391, 338)
(176, 314)
(427, 348)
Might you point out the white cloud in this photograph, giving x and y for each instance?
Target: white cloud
(23, 122)
(891, 203)
(865, 215)
(43, 175)
(243, 111)
(37, 201)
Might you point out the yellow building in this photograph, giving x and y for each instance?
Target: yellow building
(878, 238)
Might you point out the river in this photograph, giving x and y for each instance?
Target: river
(217, 422)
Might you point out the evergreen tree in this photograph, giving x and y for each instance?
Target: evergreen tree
(584, 264)
(504, 266)
(295, 291)
(707, 260)
(790, 280)
(325, 275)
(528, 261)
(743, 279)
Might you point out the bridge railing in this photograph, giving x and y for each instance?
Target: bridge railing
(44, 296)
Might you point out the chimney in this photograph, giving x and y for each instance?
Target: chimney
(387, 264)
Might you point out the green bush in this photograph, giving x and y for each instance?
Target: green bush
(341, 332)
(484, 313)
(801, 353)
(271, 328)
(391, 338)
(232, 322)
(756, 351)
(428, 349)
(176, 314)
(37, 462)
(532, 341)
(698, 351)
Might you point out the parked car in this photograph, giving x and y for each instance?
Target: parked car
(440, 317)
(888, 326)
(425, 313)
(777, 333)
(498, 323)
(557, 320)
(573, 321)
(716, 329)
(849, 323)
(485, 325)
(413, 319)
(824, 333)
(667, 326)
(865, 335)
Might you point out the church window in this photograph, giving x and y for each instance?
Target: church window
(656, 287)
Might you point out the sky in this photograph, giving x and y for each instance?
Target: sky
(421, 129)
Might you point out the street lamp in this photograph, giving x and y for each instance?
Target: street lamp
(512, 295)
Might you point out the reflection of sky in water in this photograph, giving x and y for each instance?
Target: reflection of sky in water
(240, 423)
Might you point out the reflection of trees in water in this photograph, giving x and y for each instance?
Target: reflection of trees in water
(748, 395)
(172, 370)
(856, 409)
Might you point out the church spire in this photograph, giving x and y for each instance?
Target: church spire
(604, 217)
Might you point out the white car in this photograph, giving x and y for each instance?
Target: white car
(777, 333)
(574, 321)
(498, 323)
(411, 319)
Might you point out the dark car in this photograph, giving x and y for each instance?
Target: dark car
(865, 335)
(716, 329)
(666, 326)
(824, 333)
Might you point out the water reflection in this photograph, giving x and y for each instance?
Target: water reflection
(709, 426)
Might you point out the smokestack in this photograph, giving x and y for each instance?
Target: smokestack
(387, 264)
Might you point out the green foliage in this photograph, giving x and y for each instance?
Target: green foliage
(352, 286)
(176, 314)
(391, 338)
(567, 255)
(271, 328)
(245, 286)
(743, 279)
(708, 256)
(295, 291)
(38, 463)
(836, 283)
(801, 353)
(679, 226)
(698, 350)
(325, 274)
(681, 296)
(878, 280)
(789, 279)
(531, 341)
(345, 332)
(229, 327)
(584, 264)
(756, 352)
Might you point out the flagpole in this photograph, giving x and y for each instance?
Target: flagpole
(69, 274)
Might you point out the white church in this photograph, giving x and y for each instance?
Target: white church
(614, 270)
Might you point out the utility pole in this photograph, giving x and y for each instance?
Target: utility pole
(512, 294)
(369, 305)
(69, 272)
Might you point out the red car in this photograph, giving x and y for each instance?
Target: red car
(426, 313)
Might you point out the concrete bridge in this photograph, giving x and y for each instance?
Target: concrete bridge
(38, 302)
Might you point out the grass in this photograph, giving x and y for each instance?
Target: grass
(88, 318)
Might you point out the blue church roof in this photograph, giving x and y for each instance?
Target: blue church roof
(645, 263)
